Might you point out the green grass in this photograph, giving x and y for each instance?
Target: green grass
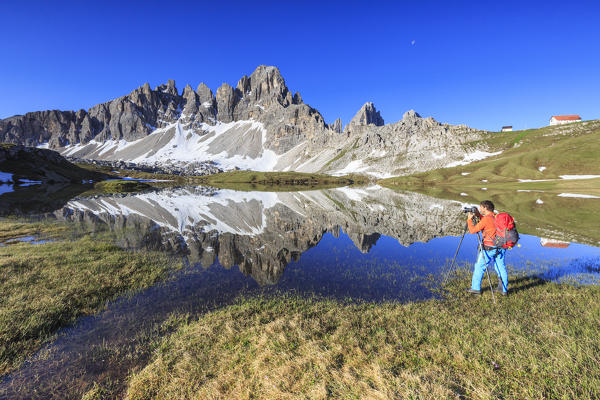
(540, 342)
(12, 228)
(563, 150)
(279, 181)
(47, 286)
(120, 186)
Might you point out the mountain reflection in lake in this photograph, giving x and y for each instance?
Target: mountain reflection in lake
(265, 233)
(369, 244)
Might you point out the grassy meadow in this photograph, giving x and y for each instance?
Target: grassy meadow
(540, 342)
(49, 285)
(119, 186)
(536, 154)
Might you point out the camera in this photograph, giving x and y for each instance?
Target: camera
(476, 216)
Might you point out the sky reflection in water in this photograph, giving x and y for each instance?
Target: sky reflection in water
(335, 267)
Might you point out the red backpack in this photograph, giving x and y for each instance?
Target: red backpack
(506, 231)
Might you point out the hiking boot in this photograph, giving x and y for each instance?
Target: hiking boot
(473, 291)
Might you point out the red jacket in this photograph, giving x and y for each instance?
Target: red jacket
(487, 225)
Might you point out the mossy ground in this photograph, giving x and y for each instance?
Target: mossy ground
(540, 342)
(120, 186)
(279, 181)
(47, 286)
(11, 229)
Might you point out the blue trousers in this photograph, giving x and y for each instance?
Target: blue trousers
(496, 258)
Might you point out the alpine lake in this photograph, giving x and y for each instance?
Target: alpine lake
(358, 244)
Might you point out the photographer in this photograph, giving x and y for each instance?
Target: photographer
(489, 253)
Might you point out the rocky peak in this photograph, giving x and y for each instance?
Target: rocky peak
(243, 85)
(297, 99)
(190, 100)
(187, 91)
(413, 118)
(266, 83)
(411, 115)
(226, 100)
(168, 88)
(336, 126)
(367, 115)
(146, 89)
(204, 93)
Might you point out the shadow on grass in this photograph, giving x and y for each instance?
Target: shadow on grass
(520, 284)
(460, 278)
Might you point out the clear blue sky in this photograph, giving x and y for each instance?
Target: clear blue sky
(481, 63)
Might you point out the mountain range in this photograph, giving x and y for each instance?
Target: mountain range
(258, 125)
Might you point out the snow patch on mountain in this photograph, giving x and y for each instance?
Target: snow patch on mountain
(569, 177)
(472, 157)
(242, 145)
(352, 167)
(582, 196)
(238, 144)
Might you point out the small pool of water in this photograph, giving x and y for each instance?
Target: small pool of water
(27, 239)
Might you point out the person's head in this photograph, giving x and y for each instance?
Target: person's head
(486, 206)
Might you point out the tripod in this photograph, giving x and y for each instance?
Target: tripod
(480, 247)
(454, 259)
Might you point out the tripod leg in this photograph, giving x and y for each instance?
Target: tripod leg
(487, 267)
(455, 254)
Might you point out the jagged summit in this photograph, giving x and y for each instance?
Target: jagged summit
(265, 84)
(257, 124)
(204, 93)
(367, 115)
(411, 114)
(336, 126)
(168, 87)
